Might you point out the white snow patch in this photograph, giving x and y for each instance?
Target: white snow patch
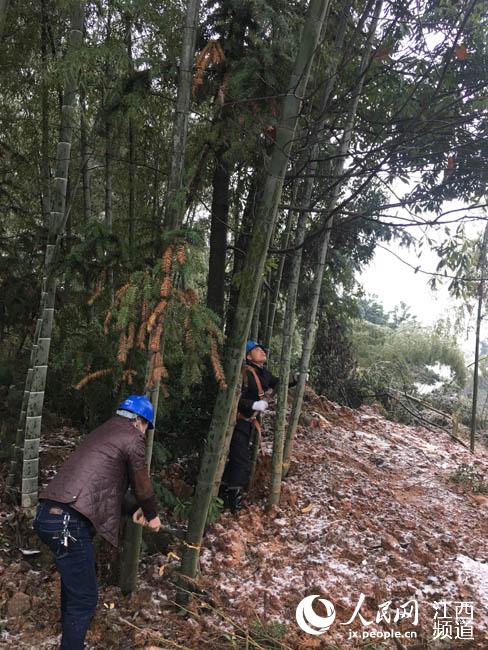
(478, 576)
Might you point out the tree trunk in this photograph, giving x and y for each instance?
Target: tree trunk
(481, 292)
(253, 270)
(290, 309)
(218, 234)
(175, 199)
(30, 469)
(309, 337)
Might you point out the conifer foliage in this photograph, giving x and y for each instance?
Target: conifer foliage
(156, 311)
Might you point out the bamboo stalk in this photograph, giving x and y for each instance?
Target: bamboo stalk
(35, 401)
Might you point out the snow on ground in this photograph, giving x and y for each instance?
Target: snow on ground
(369, 516)
(383, 519)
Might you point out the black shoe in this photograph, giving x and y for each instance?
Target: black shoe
(235, 499)
(232, 498)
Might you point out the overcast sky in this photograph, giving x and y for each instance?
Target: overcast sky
(393, 281)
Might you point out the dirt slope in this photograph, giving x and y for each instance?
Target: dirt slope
(369, 507)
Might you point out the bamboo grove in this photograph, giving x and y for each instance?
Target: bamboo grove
(178, 177)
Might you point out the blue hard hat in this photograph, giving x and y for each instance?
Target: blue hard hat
(140, 405)
(250, 345)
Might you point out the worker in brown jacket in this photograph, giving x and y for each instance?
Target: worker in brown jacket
(86, 496)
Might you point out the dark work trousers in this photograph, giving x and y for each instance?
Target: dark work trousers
(76, 565)
(238, 467)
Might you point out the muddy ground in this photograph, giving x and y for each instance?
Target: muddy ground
(371, 519)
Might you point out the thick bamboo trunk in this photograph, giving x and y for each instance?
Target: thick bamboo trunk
(292, 293)
(175, 200)
(16, 454)
(12, 482)
(30, 469)
(250, 277)
(309, 337)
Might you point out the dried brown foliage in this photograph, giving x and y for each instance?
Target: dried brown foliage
(155, 340)
(93, 375)
(167, 260)
(131, 331)
(141, 336)
(128, 376)
(98, 288)
(191, 297)
(216, 364)
(212, 53)
(122, 353)
(160, 308)
(165, 287)
(181, 255)
(108, 320)
(121, 291)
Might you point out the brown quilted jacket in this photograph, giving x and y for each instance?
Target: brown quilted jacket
(95, 477)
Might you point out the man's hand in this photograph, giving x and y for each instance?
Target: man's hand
(261, 405)
(154, 524)
(138, 518)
